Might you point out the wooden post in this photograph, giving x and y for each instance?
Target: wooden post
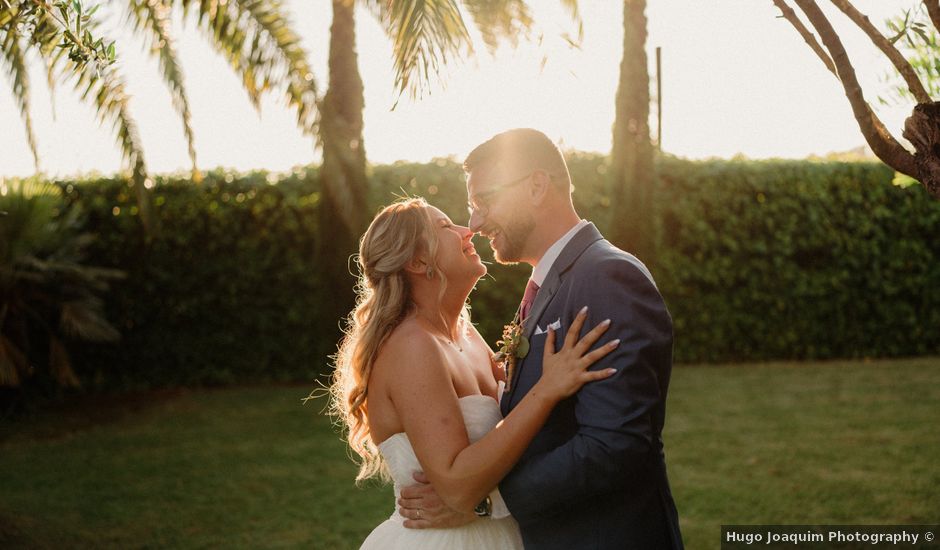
(659, 99)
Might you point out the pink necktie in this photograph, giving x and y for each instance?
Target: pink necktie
(531, 289)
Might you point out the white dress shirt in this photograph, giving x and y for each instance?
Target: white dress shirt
(544, 265)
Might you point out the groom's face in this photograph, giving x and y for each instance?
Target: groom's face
(498, 211)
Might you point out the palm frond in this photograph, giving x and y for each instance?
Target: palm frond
(12, 54)
(260, 44)
(83, 319)
(112, 102)
(51, 83)
(425, 34)
(152, 19)
(502, 19)
(46, 39)
(30, 205)
(32, 187)
(13, 363)
(108, 92)
(45, 287)
(574, 11)
(60, 364)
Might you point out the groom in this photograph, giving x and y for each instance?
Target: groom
(595, 475)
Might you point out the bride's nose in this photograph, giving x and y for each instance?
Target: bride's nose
(465, 233)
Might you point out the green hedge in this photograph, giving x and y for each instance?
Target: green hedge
(757, 260)
(227, 292)
(794, 260)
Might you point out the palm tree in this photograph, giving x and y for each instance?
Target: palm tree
(425, 35)
(632, 174)
(343, 208)
(253, 35)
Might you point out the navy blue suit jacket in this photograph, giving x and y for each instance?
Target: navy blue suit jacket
(595, 477)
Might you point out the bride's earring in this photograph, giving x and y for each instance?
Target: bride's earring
(430, 272)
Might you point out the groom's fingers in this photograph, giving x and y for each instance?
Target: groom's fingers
(416, 491)
(414, 520)
(409, 503)
(420, 518)
(418, 497)
(417, 524)
(437, 518)
(420, 477)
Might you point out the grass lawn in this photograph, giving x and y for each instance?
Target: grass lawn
(784, 443)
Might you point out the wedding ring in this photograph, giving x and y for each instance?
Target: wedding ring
(419, 513)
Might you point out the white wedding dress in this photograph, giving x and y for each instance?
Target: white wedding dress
(480, 413)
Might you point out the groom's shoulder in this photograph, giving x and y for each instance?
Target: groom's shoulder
(604, 260)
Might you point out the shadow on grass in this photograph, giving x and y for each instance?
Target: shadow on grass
(57, 419)
(779, 443)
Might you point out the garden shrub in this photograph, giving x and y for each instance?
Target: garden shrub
(756, 260)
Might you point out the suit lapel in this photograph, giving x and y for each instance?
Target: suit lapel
(546, 292)
(572, 251)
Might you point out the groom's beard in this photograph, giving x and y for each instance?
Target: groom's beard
(513, 235)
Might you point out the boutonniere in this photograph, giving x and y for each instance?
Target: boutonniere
(512, 347)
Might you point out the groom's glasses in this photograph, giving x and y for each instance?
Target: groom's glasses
(481, 201)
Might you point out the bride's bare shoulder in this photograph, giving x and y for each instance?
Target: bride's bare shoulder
(409, 347)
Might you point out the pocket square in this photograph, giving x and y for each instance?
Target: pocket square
(556, 326)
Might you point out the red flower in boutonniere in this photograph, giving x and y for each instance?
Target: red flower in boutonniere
(512, 347)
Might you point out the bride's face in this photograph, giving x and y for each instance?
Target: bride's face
(456, 256)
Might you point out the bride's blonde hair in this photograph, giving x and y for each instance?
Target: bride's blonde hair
(398, 233)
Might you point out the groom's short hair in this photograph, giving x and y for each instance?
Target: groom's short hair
(524, 148)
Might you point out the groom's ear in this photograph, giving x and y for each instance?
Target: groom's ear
(540, 187)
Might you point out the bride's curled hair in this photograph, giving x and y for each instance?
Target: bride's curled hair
(398, 233)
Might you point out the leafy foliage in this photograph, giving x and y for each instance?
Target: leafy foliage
(227, 292)
(48, 294)
(757, 260)
(64, 28)
(75, 23)
(428, 34)
(254, 35)
(258, 40)
(423, 35)
(797, 260)
(918, 40)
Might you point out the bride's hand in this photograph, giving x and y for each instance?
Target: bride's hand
(565, 371)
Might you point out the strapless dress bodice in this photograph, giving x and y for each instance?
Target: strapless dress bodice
(480, 414)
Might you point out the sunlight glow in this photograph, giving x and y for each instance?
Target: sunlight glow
(737, 80)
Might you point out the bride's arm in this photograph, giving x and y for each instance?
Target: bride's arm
(423, 394)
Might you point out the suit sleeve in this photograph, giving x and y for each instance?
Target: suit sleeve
(619, 418)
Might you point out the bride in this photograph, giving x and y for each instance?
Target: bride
(416, 384)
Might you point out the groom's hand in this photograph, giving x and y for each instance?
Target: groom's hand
(422, 508)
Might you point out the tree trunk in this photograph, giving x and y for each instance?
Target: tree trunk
(343, 208)
(922, 129)
(880, 140)
(632, 174)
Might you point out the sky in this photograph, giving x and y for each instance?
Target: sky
(737, 80)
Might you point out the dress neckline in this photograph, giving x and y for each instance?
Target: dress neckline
(459, 400)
